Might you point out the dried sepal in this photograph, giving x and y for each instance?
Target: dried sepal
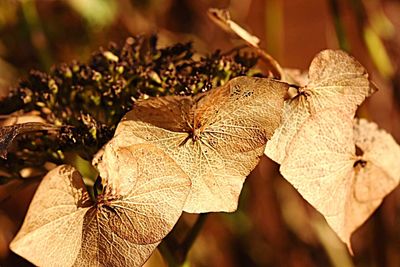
(341, 184)
(335, 80)
(216, 137)
(122, 228)
(51, 234)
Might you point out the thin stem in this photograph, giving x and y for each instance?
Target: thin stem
(274, 27)
(380, 239)
(35, 27)
(360, 13)
(168, 255)
(338, 23)
(373, 40)
(222, 19)
(276, 69)
(191, 236)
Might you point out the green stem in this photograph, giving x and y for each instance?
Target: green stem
(373, 41)
(191, 237)
(274, 27)
(168, 255)
(36, 31)
(359, 12)
(339, 27)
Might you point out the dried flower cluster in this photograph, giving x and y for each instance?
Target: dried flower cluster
(88, 100)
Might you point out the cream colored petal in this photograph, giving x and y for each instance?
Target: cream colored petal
(380, 148)
(148, 211)
(376, 177)
(295, 113)
(336, 80)
(129, 221)
(101, 246)
(52, 230)
(296, 76)
(320, 158)
(63, 228)
(320, 165)
(232, 124)
(118, 169)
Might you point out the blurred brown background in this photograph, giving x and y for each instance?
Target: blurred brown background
(274, 226)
